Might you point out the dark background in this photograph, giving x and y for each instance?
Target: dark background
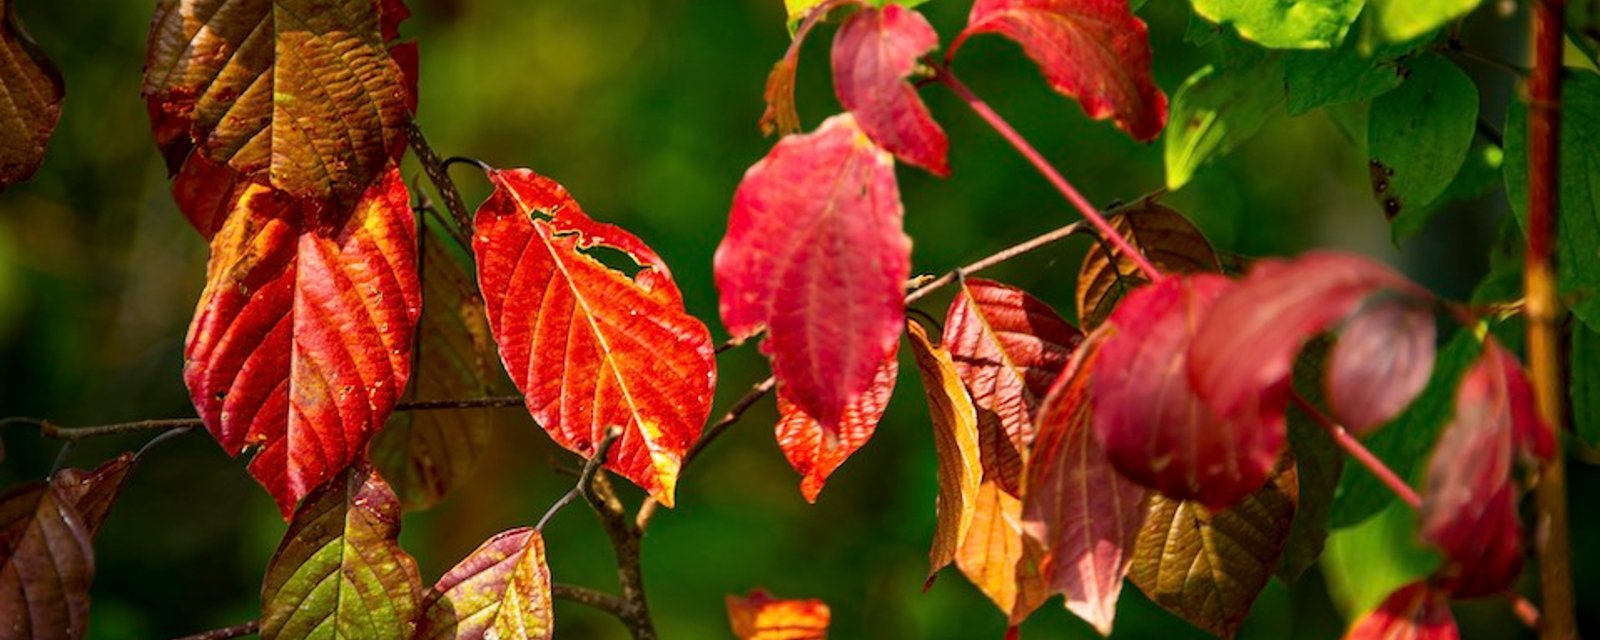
(647, 112)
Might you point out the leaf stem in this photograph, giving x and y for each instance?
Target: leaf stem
(590, 468)
(1360, 453)
(235, 631)
(946, 77)
(1552, 541)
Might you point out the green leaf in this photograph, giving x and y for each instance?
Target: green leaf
(1318, 462)
(797, 8)
(340, 572)
(1285, 24)
(1479, 176)
(1403, 20)
(1364, 563)
(1338, 76)
(1579, 276)
(1586, 383)
(1405, 442)
(1216, 110)
(1583, 27)
(1418, 135)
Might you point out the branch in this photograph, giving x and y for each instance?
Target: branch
(585, 478)
(439, 174)
(625, 537)
(590, 597)
(235, 631)
(1552, 542)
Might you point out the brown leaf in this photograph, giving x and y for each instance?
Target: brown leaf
(31, 91)
(998, 559)
(93, 492)
(1209, 567)
(46, 564)
(955, 443)
(1168, 239)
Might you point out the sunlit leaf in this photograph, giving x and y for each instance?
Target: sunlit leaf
(93, 492)
(500, 590)
(590, 347)
(31, 91)
(339, 571)
(1217, 110)
(46, 564)
(301, 344)
(873, 54)
(1208, 567)
(1094, 51)
(1285, 24)
(301, 93)
(1382, 360)
(1417, 611)
(955, 443)
(1367, 561)
(815, 253)
(1402, 20)
(1418, 135)
(1154, 426)
(1008, 347)
(1084, 513)
(815, 451)
(999, 559)
(759, 616)
(426, 454)
(1166, 238)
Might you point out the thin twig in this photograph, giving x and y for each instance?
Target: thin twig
(590, 468)
(439, 174)
(235, 631)
(169, 435)
(999, 257)
(590, 597)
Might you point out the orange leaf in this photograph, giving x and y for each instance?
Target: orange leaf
(759, 616)
(998, 559)
(955, 442)
(590, 347)
(31, 91)
(815, 451)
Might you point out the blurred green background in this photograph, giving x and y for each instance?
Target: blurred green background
(646, 111)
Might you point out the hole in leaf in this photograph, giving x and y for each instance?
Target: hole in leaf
(613, 258)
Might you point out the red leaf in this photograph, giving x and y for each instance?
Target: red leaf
(1381, 362)
(759, 616)
(31, 91)
(500, 590)
(93, 492)
(1084, 513)
(1416, 611)
(1154, 426)
(1008, 348)
(816, 452)
(301, 344)
(815, 252)
(1270, 315)
(46, 564)
(1095, 51)
(873, 54)
(206, 192)
(1469, 507)
(590, 347)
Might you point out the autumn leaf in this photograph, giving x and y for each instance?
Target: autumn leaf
(590, 347)
(759, 616)
(1208, 566)
(1381, 362)
(31, 92)
(955, 444)
(1084, 513)
(816, 452)
(301, 343)
(426, 454)
(998, 559)
(46, 564)
(500, 590)
(1008, 347)
(1417, 611)
(1166, 238)
(1095, 51)
(294, 93)
(873, 54)
(1149, 417)
(781, 116)
(815, 253)
(206, 193)
(92, 492)
(340, 570)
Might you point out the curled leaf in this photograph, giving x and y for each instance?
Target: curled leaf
(590, 347)
(1166, 238)
(955, 443)
(815, 451)
(759, 616)
(31, 91)
(873, 54)
(1382, 361)
(93, 492)
(500, 590)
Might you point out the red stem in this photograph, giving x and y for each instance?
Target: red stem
(1361, 454)
(1090, 213)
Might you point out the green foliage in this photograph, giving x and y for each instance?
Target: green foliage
(1216, 110)
(1365, 562)
(1404, 20)
(1337, 76)
(1479, 175)
(1585, 383)
(1418, 135)
(1285, 24)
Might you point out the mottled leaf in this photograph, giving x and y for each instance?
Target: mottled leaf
(1285, 24)
(46, 564)
(1094, 51)
(759, 616)
(873, 54)
(999, 559)
(1208, 567)
(303, 94)
(1418, 135)
(1147, 414)
(1008, 347)
(815, 451)
(1166, 238)
(1417, 611)
(1084, 513)
(590, 347)
(301, 343)
(1382, 360)
(1217, 110)
(816, 254)
(31, 92)
(500, 590)
(1403, 20)
(93, 492)
(339, 571)
(955, 443)
(426, 454)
